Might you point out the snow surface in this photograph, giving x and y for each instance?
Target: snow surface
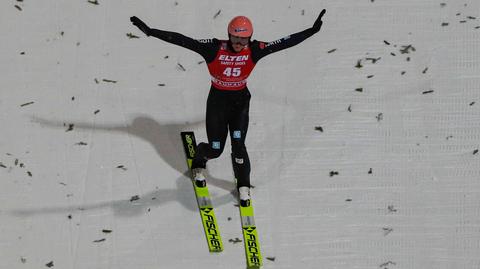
(407, 193)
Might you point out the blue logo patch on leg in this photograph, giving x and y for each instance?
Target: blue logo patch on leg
(237, 134)
(215, 145)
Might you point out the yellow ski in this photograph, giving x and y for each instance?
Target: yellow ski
(250, 237)
(204, 201)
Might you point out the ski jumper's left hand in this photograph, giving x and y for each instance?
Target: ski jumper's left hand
(318, 23)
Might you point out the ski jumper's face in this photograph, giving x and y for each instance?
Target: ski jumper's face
(239, 43)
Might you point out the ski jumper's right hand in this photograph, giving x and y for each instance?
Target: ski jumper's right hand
(141, 25)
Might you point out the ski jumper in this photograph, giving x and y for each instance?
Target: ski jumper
(229, 98)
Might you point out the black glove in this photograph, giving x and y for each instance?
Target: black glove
(140, 24)
(318, 23)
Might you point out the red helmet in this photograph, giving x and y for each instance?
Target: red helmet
(240, 26)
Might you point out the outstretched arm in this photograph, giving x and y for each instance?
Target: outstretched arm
(262, 49)
(206, 48)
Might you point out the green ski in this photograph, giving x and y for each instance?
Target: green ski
(250, 237)
(250, 233)
(204, 201)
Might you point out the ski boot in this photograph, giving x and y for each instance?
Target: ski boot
(199, 177)
(244, 195)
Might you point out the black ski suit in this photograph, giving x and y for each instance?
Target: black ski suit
(228, 110)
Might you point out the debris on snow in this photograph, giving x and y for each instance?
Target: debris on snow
(426, 92)
(359, 64)
(99, 240)
(407, 49)
(391, 209)
(270, 258)
(217, 14)
(27, 104)
(49, 265)
(384, 265)
(122, 167)
(134, 198)
(234, 241)
(373, 60)
(387, 230)
(332, 50)
(181, 67)
(130, 35)
(106, 231)
(109, 80)
(319, 128)
(70, 127)
(333, 173)
(94, 2)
